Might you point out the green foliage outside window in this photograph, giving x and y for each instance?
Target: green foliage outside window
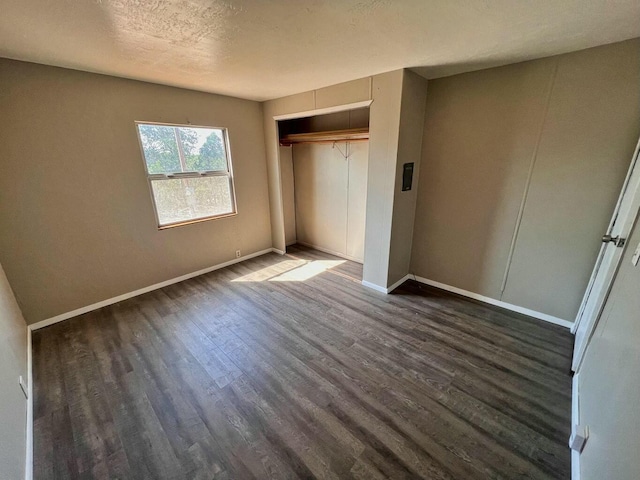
(161, 149)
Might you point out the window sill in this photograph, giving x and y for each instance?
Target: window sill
(196, 220)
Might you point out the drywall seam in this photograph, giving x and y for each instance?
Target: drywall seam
(28, 471)
(525, 193)
(497, 303)
(135, 293)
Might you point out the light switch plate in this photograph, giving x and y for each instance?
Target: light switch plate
(636, 256)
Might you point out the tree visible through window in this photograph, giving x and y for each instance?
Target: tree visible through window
(189, 172)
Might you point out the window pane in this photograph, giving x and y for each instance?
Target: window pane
(199, 150)
(160, 148)
(179, 200)
(203, 149)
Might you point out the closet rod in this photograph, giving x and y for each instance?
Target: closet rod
(352, 134)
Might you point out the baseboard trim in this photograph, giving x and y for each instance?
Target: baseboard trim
(150, 288)
(275, 250)
(28, 470)
(575, 420)
(497, 303)
(389, 289)
(375, 287)
(398, 283)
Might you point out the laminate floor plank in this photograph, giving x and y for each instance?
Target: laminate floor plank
(327, 341)
(287, 367)
(464, 360)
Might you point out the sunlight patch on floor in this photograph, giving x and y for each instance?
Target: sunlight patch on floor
(290, 271)
(305, 272)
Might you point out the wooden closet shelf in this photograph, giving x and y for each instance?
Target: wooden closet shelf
(352, 134)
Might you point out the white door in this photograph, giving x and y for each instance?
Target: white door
(608, 260)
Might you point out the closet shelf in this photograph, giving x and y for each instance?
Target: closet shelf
(350, 135)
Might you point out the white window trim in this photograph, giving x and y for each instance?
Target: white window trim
(208, 173)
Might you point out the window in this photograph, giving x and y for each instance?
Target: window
(189, 172)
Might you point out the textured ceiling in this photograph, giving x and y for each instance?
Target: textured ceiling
(261, 49)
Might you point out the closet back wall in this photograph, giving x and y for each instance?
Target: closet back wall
(331, 196)
(77, 221)
(558, 132)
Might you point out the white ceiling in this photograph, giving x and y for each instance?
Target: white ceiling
(261, 49)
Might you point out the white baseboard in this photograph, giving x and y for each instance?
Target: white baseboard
(28, 471)
(275, 250)
(399, 282)
(388, 289)
(575, 420)
(497, 303)
(150, 288)
(375, 287)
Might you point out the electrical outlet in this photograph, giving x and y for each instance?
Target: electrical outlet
(238, 254)
(24, 387)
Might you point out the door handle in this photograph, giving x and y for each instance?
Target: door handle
(617, 241)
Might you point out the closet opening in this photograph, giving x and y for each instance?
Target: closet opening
(324, 163)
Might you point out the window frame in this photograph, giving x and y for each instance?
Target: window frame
(151, 177)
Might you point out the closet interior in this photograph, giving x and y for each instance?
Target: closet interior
(324, 161)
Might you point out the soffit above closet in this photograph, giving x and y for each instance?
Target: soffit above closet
(263, 50)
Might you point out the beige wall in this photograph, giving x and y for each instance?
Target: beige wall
(75, 209)
(13, 405)
(412, 108)
(609, 384)
(384, 124)
(559, 130)
(590, 130)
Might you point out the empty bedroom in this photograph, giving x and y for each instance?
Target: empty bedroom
(358, 239)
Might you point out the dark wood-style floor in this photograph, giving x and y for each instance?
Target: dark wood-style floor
(286, 367)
